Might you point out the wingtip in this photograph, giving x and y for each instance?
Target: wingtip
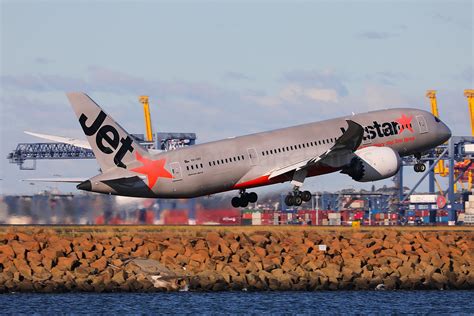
(75, 93)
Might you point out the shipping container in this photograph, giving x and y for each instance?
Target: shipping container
(220, 217)
(247, 222)
(174, 217)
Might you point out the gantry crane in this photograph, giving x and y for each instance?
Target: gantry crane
(146, 110)
(440, 166)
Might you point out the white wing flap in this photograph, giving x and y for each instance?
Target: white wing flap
(60, 139)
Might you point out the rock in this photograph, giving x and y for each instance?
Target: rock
(108, 253)
(170, 253)
(23, 267)
(18, 248)
(34, 258)
(331, 270)
(47, 262)
(199, 257)
(40, 274)
(156, 255)
(65, 263)
(24, 237)
(439, 281)
(213, 238)
(142, 251)
(119, 277)
(100, 264)
(82, 272)
(7, 250)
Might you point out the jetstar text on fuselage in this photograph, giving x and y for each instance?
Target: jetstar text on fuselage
(386, 129)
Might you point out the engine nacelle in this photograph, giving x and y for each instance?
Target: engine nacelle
(372, 164)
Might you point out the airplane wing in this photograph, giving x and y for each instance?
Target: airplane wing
(337, 156)
(65, 180)
(60, 139)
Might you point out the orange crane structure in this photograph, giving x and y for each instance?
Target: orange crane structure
(459, 167)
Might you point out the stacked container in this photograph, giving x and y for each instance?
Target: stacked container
(469, 211)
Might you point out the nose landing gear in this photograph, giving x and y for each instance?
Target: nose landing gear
(244, 199)
(419, 166)
(296, 198)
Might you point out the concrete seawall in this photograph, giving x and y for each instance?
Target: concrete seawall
(238, 258)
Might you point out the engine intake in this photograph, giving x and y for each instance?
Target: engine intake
(372, 164)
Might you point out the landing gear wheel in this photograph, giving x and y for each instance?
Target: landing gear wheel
(289, 200)
(252, 197)
(306, 196)
(419, 167)
(298, 200)
(235, 201)
(244, 202)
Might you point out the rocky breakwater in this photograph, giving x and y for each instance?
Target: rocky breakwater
(207, 259)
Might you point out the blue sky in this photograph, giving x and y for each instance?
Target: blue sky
(225, 68)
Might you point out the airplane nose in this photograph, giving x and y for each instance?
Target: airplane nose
(444, 132)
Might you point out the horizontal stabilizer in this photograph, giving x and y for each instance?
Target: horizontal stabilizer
(64, 180)
(60, 139)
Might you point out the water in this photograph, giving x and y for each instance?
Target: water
(340, 302)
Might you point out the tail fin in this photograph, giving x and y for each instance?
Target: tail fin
(111, 144)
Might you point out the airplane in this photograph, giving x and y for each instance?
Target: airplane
(367, 147)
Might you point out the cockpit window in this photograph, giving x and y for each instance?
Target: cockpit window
(437, 119)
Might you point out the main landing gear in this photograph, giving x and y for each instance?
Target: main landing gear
(244, 199)
(419, 166)
(296, 198)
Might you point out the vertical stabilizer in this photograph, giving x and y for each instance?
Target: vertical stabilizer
(111, 144)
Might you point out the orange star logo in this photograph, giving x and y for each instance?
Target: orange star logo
(405, 123)
(153, 169)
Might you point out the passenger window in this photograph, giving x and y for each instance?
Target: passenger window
(192, 167)
(187, 167)
(266, 152)
(291, 147)
(235, 159)
(319, 141)
(271, 151)
(299, 146)
(238, 158)
(279, 150)
(283, 149)
(202, 166)
(243, 158)
(263, 153)
(287, 149)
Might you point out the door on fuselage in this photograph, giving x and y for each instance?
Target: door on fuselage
(253, 156)
(422, 124)
(176, 171)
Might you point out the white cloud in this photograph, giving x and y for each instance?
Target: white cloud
(378, 97)
(325, 95)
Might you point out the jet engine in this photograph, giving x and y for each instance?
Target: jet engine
(372, 164)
